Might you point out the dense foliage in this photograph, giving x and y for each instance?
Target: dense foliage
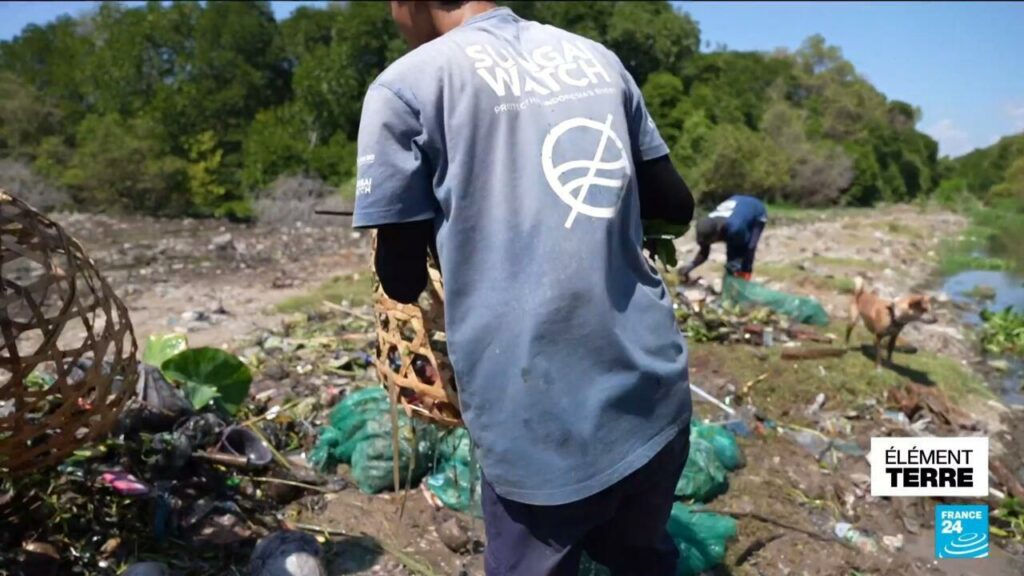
(196, 108)
(990, 182)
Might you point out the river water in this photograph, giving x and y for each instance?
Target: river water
(1009, 291)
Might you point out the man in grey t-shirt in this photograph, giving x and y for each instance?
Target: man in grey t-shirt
(524, 155)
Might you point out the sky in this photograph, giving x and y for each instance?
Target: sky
(962, 63)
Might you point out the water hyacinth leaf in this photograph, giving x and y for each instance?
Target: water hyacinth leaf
(203, 371)
(160, 347)
(200, 395)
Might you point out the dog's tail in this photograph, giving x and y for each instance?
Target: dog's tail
(858, 286)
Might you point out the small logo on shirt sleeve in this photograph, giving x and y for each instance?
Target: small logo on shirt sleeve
(363, 186)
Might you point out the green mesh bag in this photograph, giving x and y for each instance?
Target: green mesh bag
(724, 443)
(456, 477)
(372, 458)
(701, 537)
(359, 434)
(801, 309)
(704, 477)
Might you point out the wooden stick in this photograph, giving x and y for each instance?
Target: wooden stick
(289, 483)
(812, 353)
(332, 212)
(767, 520)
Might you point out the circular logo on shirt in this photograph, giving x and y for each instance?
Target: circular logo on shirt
(573, 179)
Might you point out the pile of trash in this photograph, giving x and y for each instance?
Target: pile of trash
(192, 465)
(441, 462)
(359, 434)
(747, 312)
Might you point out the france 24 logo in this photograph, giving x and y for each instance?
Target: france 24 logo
(961, 531)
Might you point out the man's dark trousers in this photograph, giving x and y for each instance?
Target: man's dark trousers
(622, 527)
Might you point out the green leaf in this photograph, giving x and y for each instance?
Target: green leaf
(161, 347)
(665, 250)
(203, 369)
(37, 381)
(200, 395)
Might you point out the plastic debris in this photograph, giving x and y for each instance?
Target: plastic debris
(724, 443)
(802, 309)
(456, 478)
(704, 477)
(856, 538)
(287, 553)
(125, 483)
(893, 543)
(816, 444)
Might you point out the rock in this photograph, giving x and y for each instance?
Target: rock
(454, 535)
(275, 371)
(860, 480)
(999, 365)
(222, 242)
(287, 554)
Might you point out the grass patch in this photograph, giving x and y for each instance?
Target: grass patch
(778, 272)
(956, 256)
(844, 285)
(991, 242)
(791, 274)
(839, 262)
(846, 381)
(356, 289)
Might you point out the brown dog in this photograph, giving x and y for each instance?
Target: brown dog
(886, 318)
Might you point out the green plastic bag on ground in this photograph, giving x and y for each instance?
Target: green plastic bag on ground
(456, 477)
(802, 309)
(359, 434)
(704, 477)
(726, 449)
(700, 536)
(372, 458)
(347, 427)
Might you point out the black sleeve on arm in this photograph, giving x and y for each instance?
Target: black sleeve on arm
(663, 194)
(401, 260)
(700, 258)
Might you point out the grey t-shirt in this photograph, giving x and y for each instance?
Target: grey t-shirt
(519, 141)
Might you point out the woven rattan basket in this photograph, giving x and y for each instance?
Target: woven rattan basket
(412, 358)
(67, 350)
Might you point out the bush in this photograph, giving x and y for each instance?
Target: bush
(18, 179)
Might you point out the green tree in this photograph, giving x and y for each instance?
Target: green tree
(736, 160)
(26, 117)
(124, 164)
(206, 191)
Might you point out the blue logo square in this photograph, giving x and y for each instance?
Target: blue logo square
(961, 531)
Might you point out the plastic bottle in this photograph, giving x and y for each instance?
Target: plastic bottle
(859, 540)
(769, 337)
